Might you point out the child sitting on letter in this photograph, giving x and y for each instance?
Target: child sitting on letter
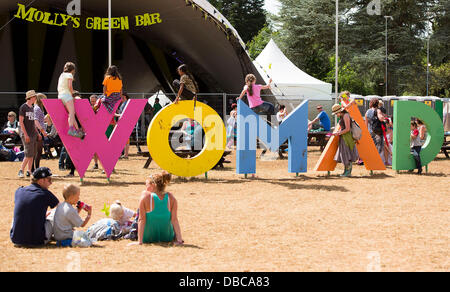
(112, 89)
(65, 93)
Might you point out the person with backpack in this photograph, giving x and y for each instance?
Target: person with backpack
(347, 152)
(374, 119)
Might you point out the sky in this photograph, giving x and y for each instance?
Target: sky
(272, 6)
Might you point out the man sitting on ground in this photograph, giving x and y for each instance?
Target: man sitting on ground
(30, 227)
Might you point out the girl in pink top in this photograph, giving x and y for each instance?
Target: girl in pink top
(253, 92)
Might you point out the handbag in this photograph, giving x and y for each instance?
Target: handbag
(356, 130)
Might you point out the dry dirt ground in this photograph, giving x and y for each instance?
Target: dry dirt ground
(275, 222)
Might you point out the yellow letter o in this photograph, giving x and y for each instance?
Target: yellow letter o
(159, 131)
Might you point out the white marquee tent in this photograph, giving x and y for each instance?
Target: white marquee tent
(290, 82)
(163, 99)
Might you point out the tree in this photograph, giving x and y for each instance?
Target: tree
(307, 37)
(440, 39)
(440, 76)
(307, 34)
(260, 41)
(349, 79)
(247, 16)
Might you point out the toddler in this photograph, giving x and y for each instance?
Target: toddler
(66, 217)
(122, 215)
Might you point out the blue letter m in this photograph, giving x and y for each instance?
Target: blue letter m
(250, 126)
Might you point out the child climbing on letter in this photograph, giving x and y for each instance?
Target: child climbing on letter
(255, 101)
(65, 93)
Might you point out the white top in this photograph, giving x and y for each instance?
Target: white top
(63, 83)
(127, 215)
(281, 116)
(65, 219)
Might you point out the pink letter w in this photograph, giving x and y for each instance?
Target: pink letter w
(95, 125)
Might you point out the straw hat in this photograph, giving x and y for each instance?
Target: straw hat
(31, 94)
(337, 108)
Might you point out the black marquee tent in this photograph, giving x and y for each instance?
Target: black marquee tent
(157, 37)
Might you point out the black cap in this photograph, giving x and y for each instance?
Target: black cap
(42, 172)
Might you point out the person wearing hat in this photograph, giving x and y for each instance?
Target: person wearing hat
(324, 119)
(347, 152)
(30, 227)
(28, 132)
(39, 119)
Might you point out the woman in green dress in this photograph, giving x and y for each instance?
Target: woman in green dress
(158, 221)
(347, 152)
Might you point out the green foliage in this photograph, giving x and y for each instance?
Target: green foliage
(307, 37)
(305, 32)
(247, 16)
(349, 79)
(440, 39)
(260, 41)
(440, 85)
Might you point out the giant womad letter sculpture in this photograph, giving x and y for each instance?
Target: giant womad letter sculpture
(159, 131)
(403, 112)
(94, 125)
(366, 147)
(250, 126)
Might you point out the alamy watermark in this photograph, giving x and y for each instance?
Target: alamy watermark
(374, 261)
(74, 264)
(374, 7)
(74, 7)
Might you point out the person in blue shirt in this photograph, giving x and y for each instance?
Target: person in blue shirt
(324, 121)
(30, 227)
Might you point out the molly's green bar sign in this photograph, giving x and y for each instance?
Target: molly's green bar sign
(95, 23)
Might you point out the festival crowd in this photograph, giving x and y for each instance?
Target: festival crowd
(156, 218)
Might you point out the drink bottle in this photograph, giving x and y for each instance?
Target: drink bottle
(81, 205)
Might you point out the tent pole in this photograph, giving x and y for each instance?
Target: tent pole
(336, 76)
(109, 35)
